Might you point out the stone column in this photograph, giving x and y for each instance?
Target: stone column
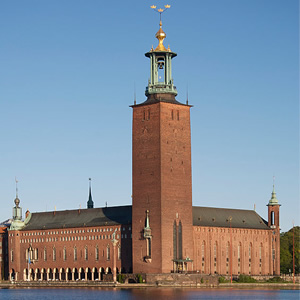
(35, 276)
(47, 276)
(73, 275)
(93, 276)
(86, 274)
(59, 275)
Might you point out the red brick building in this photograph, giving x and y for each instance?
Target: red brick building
(161, 232)
(3, 253)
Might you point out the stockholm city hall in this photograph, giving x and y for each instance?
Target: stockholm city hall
(161, 232)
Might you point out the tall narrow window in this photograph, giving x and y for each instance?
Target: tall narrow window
(36, 254)
(227, 257)
(54, 254)
(75, 253)
(172, 114)
(239, 258)
(174, 240)
(12, 255)
(107, 253)
(180, 240)
(272, 217)
(260, 258)
(215, 257)
(203, 256)
(64, 254)
(45, 254)
(250, 254)
(177, 115)
(96, 253)
(86, 256)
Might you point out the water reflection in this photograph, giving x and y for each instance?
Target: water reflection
(145, 294)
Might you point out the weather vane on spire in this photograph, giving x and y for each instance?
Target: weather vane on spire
(160, 10)
(16, 187)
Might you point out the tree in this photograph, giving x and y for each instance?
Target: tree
(286, 251)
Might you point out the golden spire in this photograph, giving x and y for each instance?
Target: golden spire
(160, 35)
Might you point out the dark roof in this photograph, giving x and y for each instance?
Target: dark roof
(219, 217)
(80, 218)
(202, 216)
(160, 97)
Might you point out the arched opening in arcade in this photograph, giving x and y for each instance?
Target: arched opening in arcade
(81, 274)
(95, 273)
(88, 274)
(50, 274)
(12, 275)
(75, 274)
(43, 274)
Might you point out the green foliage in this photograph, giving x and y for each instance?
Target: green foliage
(286, 251)
(222, 279)
(139, 278)
(276, 279)
(246, 279)
(202, 280)
(121, 278)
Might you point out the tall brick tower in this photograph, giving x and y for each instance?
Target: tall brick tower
(162, 230)
(273, 222)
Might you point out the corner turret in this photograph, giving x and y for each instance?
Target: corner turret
(17, 223)
(273, 210)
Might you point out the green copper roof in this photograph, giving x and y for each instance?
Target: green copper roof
(273, 200)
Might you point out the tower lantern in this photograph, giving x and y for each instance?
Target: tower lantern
(161, 80)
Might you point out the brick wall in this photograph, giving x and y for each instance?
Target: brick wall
(85, 239)
(161, 182)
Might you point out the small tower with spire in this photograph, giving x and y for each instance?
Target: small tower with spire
(273, 210)
(90, 203)
(17, 210)
(17, 222)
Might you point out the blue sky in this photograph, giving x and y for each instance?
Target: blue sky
(67, 77)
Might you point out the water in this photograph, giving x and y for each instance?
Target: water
(145, 294)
